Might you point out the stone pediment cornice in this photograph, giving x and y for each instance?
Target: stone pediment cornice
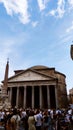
(30, 75)
(41, 73)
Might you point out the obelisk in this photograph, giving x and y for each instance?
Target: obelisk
(5, 86)
(4, 89)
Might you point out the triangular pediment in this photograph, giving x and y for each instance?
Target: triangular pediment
(29, 75)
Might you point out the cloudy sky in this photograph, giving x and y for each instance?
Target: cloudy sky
(36, 32)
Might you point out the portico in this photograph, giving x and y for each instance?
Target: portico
(33, 96)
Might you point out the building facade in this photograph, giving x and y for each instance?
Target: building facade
(38, 87)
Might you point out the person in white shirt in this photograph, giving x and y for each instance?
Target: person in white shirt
(2, 114)
(38, 119)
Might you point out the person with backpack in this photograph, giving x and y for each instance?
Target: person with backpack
(15, 120)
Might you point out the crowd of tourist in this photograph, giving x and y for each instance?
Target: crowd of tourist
(36, 119)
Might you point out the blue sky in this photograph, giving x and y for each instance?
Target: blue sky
(36, 32)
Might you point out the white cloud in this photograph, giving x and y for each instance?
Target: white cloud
(70, 3)
(59, 12)
(34, 24)
(19, 7)
(42, 4)
(68, 30)
(52, 12)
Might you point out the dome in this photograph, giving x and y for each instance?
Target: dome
(38, 67)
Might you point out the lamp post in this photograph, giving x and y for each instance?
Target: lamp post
(71, 52)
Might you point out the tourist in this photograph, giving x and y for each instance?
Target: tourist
(46, 120)
(31, 121)
(15, 120)
(38, 119)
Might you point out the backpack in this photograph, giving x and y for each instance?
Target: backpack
(14, 119)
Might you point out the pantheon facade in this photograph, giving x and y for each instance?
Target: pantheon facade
(38, 87)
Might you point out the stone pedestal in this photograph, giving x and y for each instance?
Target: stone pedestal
(4, 101)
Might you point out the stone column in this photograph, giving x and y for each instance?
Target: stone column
(40, 96)
(56, 97)
(17, 97)
(10, 95)
(24, 96)
(32, 96)
(48, 96)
